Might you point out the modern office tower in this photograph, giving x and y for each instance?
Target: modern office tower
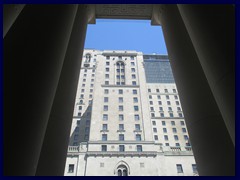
(128, 119)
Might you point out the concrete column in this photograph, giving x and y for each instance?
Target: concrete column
(10, 14)
(54, 149)
(212, 31)
(34, 51)
(212, 145)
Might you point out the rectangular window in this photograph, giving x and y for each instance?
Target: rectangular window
(104, 148)
(169, 109)
(177, 102)
(91, 85)
(107, 63)
(178, 108)
(136, 117)
(134, 91)
(139, 148)
(135, 99)
(86, 130)
(75, 136)
(80, 108)
(135, 108)
(165, 90)
(78, 122)
(155, 130)
(82, 90)
(134, 83)
(160, 109)
(133, 76)
(152, 115)
(168, 103)
(167, 96)
(170, 114)
(105, 108)
(179, 168)
(104, 127)
(165, 130)
(159, 102)
(184, 130)
(166, 144)
(185, 137)
(133, 69)
(174, 90)
(138, 137)
(105, 117)
(132, 64)
(155, 137)
(159, 97)
(163, 123)
(85, 70)
(151, 108)
(180, 114)
(149, 90)
(107, 76)
(132, 57)
(165, 137)
(106, 82)
(176, 137)
(121, 117)
(137, 127)
(174, 130)
(154, 123)
(177, 144)
(120, 91)
(120, 108)
(150, 96)
(104, 137)
(121, 127)
(194, 168)
(162, 114)
(71, 168)
(120, 100)
(83, 85)
(151, 103)
(106, 91)
(90, 96)
(121, 148)
(176, 97)
(107, 69)
(107, 57)
(173, 123)
(182, 123)
(121, 137)
(105, 99)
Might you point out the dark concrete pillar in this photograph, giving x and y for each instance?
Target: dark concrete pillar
(34, 51)
(212, 145)
(212, 31)
(10, 14)
(54, 149)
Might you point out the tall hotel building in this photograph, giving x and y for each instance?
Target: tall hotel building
(128, 119)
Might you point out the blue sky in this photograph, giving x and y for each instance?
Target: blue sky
(136, 35)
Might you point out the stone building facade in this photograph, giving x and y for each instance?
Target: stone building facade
(128, 119)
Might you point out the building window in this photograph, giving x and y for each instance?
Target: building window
(174, 90)
(154, 123)
(155, 130)
(106, 82)
(80, 108)
(71, 168)
(150, 96)
(168, 103)
(120, 73)
(138, 137)
(121, 127)
(75, 144)
(165, 137)
(107, 69)
(121, 117)
(174, 130)
(133, 70)
(104, 137)
(177, 102)
(159, 102)
(136, 117)
(107, 63)
(86, 137)
(171, 114)
(120, 108)
(78, 122)
(178, 108)
(155, 137)
(165, 90)
(173, 123)
(86, 130)
(134, 83)
(149, 90)
(134, 91)
(177, 144)
(159, 97)
(105, 99)
(91, 85)
(194, 168)
(157, 90)
(165, 130)
(169, 109)
(185, 137)
(90, 96)
(137, 127)
(107, 57)
(176, 137)
(105, 108)
(180, 114)
(84, 80)
(167, 96)
(121, 148)
(160, 109)
(163, 123)
(184, 130)
(120, 100)
(120, 91)
(176, 97)
(132, 64)
(104, 127)
(81, 96)
(135, 99)
(162, 114)
(106, 91)
(104, 148)
(152, 115)
(107, 76)
(105, 117)
(75, 136)
(133, 76)
(139, 148)
(121, 137)
(166, 144)
(151, 103)
(83, 85)
(151, 108)
(179, 168)
(132, 57)
(82, 90)
(85, 70)
(135, 108)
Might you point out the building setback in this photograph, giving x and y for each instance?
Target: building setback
(128, 119)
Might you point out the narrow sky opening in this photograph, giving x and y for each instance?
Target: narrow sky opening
(112, 34)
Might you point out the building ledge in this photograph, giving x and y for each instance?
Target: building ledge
(120, 86)
(126, 153)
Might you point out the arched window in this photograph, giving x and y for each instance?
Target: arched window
(122, 170)
(120, 73)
